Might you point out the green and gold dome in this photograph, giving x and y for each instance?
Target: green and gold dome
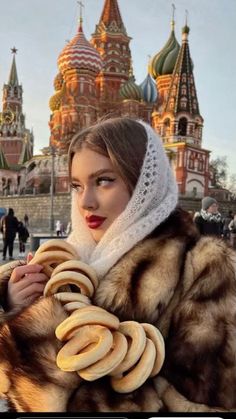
(163, 62)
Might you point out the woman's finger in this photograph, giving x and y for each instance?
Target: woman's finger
(35, 288)
(29, 257)
(21, 271)
(28, 280)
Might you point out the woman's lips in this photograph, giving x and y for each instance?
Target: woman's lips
(94, 221)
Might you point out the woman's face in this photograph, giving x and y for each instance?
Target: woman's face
(101, 193)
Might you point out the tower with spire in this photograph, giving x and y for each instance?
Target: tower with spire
(15, 139)
(177, 117)
(112, 42)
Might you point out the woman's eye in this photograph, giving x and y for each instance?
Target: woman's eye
(103, 181)
(75, 187)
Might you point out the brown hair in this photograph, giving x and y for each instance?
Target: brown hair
(123, 140)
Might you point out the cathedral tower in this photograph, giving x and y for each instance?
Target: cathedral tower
(112, 42)
(179, 123)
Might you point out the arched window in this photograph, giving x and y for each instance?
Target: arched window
(191, 161)
(183, 103)
(184, 90)
(200, 164)
(166, 127)
(182, 126)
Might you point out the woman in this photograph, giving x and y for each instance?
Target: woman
(153, 267)
(209, 221)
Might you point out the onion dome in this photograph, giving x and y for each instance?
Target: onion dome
(79, 54)
(149, 89)
(130, 90)
(163, 63)
(58, 82)
(55, 100)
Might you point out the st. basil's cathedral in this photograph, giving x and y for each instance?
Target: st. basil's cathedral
(95, 78)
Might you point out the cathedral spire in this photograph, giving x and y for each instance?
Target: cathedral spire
(182, 94)
(13, 78)
(111, 13)
(81, 5)
(111, 17)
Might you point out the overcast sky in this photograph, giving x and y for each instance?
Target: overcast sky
(40, 28)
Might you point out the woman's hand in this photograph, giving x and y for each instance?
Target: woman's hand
(25, 285)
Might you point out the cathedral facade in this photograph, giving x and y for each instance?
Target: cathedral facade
(95, 79)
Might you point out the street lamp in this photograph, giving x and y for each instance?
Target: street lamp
(52, 190)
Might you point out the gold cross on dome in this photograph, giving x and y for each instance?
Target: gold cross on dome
(186, 17)
(173, 12)
(81, 5)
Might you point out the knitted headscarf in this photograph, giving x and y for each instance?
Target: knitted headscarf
(153, 199)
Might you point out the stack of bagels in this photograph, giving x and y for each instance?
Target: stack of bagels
(96, 342)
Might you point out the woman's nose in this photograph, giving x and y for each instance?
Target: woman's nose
(88, 200)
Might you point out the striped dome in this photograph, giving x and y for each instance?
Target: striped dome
(149, 89)
(79, 54)
(164, 62)
(130, 90)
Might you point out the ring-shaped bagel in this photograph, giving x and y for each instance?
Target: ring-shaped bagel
(49, 258)
(109, 361)
(155, 335)
(90, 315)
(139, 374)
(69, 358)
(68, 297)
(74, 305)
(55, 245)
(69, 278)
(80, 267)
(137, 334)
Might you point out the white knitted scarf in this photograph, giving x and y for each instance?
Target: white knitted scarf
(153, 199)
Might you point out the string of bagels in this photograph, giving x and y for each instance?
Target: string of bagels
(96, 343)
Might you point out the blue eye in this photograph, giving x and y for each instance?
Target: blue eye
(103, 181)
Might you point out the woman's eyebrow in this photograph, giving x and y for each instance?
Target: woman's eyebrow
(95, 174)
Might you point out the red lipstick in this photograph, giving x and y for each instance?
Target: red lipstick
(94, 221)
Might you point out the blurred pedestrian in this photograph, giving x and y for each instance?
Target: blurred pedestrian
(9, 228)
(226, 224)
(58, 228)
(209, 219)
(23, 235)
(26, 220)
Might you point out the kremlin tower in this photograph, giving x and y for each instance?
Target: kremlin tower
(16, 141)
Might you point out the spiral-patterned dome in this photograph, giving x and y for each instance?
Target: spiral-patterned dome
(149, 89)
(79, 54)
(164, 62)
(130, 90)
(55, 100)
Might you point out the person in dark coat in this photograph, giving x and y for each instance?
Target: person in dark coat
(23, 235)
(226, 222)
(209, 220)
(9, 228)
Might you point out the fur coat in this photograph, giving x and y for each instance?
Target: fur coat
(182, 283)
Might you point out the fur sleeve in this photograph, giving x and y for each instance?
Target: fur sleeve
(201, 344)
